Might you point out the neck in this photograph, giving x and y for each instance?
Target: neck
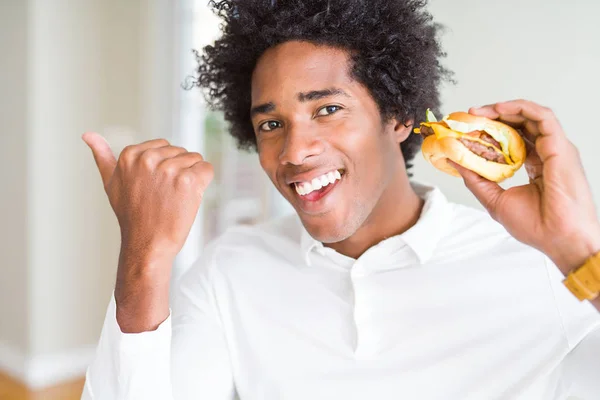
(398, 209)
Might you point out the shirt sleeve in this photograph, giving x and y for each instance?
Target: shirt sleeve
(185, 358)
(581, 323)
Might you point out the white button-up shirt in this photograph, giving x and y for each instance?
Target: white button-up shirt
(454, 308)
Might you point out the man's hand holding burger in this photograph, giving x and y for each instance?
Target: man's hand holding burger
(555, 212)
(155, 190)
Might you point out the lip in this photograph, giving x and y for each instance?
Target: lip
(324, 203)
(309, 176)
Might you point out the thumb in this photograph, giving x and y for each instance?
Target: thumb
(105, 159)
(487, 192)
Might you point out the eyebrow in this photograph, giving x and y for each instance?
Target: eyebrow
(321, 94)
(302, 97)
(262, 109)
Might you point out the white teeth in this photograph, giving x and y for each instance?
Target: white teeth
(307, 187)
(304, 188)
(316, 184)
(330, 177)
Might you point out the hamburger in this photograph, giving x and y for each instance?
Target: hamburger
(488, 147)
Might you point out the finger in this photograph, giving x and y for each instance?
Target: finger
(151, 144)
(155, 155)
(181, 160)
(546, 122)
(533, 164)
(550, 146)
(528, 129)
(487, 192)
(487, 111)
(204, 173)
(543, 128)
(132, 153)
(103, 155)
(493, 112)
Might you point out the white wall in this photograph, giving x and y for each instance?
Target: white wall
(543, 50)
(67, 67)
(13, 171)
(70, 93)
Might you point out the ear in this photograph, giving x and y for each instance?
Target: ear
(402, 129)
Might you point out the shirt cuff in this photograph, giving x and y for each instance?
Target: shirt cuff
(136, 343)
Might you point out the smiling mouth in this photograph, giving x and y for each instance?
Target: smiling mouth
(318, 187)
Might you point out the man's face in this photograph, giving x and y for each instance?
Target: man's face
(314, 125)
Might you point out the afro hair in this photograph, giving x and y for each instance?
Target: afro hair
(394, 47)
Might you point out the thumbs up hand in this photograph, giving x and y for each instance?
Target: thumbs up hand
(155, 190)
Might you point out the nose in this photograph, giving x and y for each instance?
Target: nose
(301, 142)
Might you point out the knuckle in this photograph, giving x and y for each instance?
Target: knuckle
(149, 158)
(170, 149)
(162, 141)
(169, 169)
(209, 170)
(179, 148)
(197, 156)
(184, 179)
(206, 173)
(521, 101)
(127, 153)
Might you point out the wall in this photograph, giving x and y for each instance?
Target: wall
(85, 67)
(545, 51)
(13, 192)
(68, 67)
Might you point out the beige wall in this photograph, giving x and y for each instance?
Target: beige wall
(67, 67)
(545, 51)
(72, 89)
(13, 173)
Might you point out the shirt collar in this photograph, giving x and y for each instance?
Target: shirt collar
(308, 244)
(422, 238)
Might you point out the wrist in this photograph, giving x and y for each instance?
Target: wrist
(142, 291)
(575, 252)
(141, 309)
(146, 264)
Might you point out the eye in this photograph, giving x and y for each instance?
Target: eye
(269, 125)
(327, 110)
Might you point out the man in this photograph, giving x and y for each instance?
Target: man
(378, 288)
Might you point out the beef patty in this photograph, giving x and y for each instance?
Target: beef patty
(487, 152)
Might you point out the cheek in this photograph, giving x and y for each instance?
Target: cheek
(372, 156)
(363, 141)
(268, 158)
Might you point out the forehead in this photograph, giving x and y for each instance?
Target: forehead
(294, 67)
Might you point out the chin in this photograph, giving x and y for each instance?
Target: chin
(329, 229)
